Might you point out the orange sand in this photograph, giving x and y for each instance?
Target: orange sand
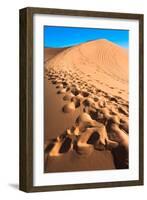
(86, 107)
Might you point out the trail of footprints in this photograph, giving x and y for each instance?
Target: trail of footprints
(103, 124)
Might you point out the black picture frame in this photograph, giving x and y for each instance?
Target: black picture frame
(26, 98)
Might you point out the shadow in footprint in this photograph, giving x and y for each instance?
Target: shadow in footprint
(120, 156)
(85, 94)
(93, 138)
(77, 102)
(49, 147)
(93, 114)
(66, 145)
(121, 110)
(75, 91)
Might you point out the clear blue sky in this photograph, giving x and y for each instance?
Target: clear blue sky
(58, 37)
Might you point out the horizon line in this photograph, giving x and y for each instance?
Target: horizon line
(76, 44)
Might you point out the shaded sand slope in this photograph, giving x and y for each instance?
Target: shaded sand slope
(86, 108)
(49, 53)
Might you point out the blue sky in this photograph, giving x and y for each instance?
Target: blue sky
(58, 37)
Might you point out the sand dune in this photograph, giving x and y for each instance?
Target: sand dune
(87, 112)
(104, 62)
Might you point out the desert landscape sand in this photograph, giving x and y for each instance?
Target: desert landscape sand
(86, 108)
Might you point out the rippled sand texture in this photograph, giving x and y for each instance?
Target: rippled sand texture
(86, 108)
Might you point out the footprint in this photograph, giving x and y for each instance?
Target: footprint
(119, 92)
(93, 138)
(84, 121)
(101, 125)
(112, 98)
(62, 91)
(68, 97)
(124, 125)
(122, 110)
(76, 101)
(60, 86)
(119, 135)
(66, 145)
(89, 102)
(75, 91)
(84, 93)
(111, 87)
(54, 151)
(102, 103)
(69, 107)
